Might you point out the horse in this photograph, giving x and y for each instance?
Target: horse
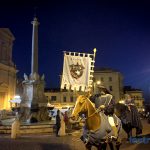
(127, 118)
(97, 126)
(124, 114)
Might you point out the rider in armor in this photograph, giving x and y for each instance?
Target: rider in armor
(104, 101)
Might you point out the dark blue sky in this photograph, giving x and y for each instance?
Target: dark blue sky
(120, 30)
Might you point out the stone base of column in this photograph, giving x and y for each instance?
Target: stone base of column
(34, 98)
(24, 114)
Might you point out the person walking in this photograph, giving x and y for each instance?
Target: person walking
(58, 122)
(62, 130)
(66, 119)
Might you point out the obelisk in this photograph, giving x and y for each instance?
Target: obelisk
(34, 61)
(33, 100)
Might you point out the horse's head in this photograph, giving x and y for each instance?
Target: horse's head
(80, 107)
(85, 106)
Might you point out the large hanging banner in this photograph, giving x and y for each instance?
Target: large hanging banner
(78, 71)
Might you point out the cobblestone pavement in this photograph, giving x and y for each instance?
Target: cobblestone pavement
(68, 142)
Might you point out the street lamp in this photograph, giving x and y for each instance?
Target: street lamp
(98, 82)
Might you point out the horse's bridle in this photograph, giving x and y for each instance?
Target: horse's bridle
(96, 111)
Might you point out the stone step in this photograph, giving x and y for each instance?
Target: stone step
(27, 129)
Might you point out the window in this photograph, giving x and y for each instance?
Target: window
(102, 79)
(71, 99)
(110, 78)
(110, 88)
(64, 99)
(53, 98)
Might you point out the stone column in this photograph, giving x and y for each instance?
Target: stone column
(34, 63)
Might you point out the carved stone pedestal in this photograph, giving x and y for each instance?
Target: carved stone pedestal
(34, 102)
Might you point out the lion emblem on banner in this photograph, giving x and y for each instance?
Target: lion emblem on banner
(76, 71)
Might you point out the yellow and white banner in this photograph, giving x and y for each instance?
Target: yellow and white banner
(77, 71)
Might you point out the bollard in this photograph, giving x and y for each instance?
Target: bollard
(15, 129)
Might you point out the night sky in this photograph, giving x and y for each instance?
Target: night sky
(120, 30)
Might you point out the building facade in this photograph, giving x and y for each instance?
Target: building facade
(7, 68)
(61, 98)
(111, 79)
(137, 96)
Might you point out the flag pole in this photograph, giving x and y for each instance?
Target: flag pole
(89, 93)
(93, 83)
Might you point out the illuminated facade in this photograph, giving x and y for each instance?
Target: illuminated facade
(7, 68)
(137, 96)
(111, 79)
(60, 98)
